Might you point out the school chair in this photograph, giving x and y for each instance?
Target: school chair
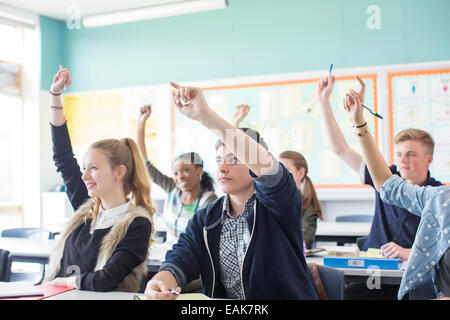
(5, 266)
(329, 281)
(354, 218)
(360, 241)
(423, 292)
(27, 233)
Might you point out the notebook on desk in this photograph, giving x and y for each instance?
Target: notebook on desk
(28, 291)
(19, 289)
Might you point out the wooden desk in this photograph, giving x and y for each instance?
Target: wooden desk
(341, 232)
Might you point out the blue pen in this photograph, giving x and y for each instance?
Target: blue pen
(374, 113)
(329, 72)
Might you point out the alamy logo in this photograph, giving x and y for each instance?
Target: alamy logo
(74, 19)
(374, 20)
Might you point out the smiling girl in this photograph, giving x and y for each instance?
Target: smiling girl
(105, 245)
(188, 190)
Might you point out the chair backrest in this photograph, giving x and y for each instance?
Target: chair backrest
(360, 241)
(332, 281)
(5, 266)
(29, 233)
(423, 292)
(159, 205)
(355, 218)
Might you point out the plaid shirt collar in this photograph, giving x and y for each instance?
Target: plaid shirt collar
(226, 209)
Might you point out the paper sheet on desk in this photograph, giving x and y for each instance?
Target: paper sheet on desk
(45, 291)
(19, 289)
(371, 253)
(158, 251)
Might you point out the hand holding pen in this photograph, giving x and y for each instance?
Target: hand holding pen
(162, 289)
(60, 81)
(361, 94)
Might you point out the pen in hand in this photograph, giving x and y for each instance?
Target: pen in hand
(174, 292)
(329, 72)
(374, 113)
(60, 68)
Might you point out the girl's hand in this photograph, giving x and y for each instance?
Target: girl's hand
(352, 104)
(325, 88)
(61, 78)
(63, 282)
(144, 114)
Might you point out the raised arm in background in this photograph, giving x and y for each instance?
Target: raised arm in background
(164, 181)
(378, 168)
(191, 103)
(335, 136)
(240, 114)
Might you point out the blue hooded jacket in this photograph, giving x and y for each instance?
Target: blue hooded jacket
(274, 266)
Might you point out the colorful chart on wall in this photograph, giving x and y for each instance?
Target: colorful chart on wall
(288, 117)
(101, 115)
(421, 99)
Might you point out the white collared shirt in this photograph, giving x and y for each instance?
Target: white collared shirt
(107, 218)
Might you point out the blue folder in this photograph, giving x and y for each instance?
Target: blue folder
(362, 263)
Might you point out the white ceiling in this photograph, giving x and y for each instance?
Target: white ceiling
(62, 9)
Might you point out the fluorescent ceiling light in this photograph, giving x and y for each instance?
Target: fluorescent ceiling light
(13, 19)
(153, 12)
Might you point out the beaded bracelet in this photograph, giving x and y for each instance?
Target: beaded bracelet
(360, 125)
(362, 133)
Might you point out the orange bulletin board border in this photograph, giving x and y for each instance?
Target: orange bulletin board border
(372, 76)
(391, 76)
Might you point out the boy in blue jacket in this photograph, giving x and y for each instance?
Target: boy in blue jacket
(247, 244)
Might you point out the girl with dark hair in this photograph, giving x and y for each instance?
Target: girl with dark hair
(298, 167)
(189, 189)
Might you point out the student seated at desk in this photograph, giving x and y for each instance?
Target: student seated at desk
(246, 244)
(430, 255)
(189, 190)
(312, 210)
(393, 229)
(297, 166)
(105, 245)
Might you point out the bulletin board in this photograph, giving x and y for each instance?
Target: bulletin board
(421, 99)
(288, 117)
(100, 115)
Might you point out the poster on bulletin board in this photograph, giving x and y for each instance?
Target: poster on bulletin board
(421, 99)
(113, 114)
(288, 117)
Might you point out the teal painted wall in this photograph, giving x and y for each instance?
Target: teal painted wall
(250, 37)
(51, 52)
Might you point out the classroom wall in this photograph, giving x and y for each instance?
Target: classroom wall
(248, 38)
(51, 57)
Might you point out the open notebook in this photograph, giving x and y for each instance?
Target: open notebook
(19, 289)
